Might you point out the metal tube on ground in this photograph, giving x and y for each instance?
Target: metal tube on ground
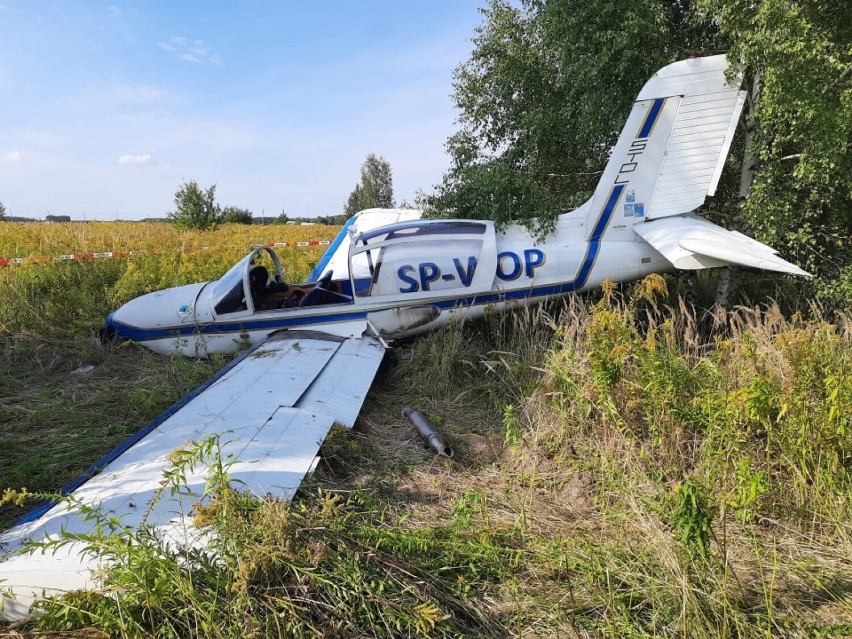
(430, 436)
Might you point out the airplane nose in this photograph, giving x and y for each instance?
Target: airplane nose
(108, 333)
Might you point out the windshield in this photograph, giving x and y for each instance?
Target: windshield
(228, 291)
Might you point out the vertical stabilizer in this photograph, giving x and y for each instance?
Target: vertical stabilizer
(671, 151)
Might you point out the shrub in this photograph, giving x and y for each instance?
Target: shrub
(195, 208)
(236, 215)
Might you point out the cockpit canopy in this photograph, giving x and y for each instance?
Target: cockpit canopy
(232, 293)
(427, 258)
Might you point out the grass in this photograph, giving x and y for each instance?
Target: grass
(39, 240)
(56, 418)
(623, 468)
(66, 299)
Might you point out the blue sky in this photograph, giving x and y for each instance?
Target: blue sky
(106, 108)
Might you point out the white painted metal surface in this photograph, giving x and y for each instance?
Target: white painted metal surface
(696, 75)
(696, 151)
(672, 149)
(367, 220)
(691, 242)
(271, 410)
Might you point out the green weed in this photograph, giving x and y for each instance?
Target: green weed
(328, 565)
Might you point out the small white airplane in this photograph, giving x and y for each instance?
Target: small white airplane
(315, 347)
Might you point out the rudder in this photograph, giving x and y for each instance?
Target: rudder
(671, 151)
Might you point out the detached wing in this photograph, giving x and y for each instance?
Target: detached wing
(271, 408)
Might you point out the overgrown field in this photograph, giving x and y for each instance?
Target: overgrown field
(625, 467)
(40, 239)
(65, 298)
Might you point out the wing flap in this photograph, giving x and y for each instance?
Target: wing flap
(271, 410)
(691, 242)
(339, 390)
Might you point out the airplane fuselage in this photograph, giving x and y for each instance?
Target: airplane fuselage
(405, 275)
(423, 284)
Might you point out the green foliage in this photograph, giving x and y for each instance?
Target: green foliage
(511, 425)
(753, 409)
(492, 361)
(799, 58)
(548, 86)
(692, 516)
(195, 208)
(236, 215)
(749, 487)
(2, 210)
(66, 298)
(330, 565)
(375, 190)
(544, 95)
(81, 415)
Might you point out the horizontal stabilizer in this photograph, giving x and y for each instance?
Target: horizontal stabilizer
(691, 242)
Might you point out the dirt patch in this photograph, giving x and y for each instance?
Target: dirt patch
(579, 493)
(480, 448)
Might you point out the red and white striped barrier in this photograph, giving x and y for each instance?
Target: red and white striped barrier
(13, 261)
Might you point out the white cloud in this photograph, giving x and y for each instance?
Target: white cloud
(194, 51)
(135, 159)
(12, 156)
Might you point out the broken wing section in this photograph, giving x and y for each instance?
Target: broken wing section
(691, 242)
(271, 409)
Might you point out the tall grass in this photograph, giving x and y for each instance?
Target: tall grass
(34, 240)
(707, 457)
(331, 565)
(661, 472)
(70, 298)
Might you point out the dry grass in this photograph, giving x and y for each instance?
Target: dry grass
(589, 490)
(622, 468)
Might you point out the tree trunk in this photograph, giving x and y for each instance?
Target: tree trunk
(724, 286)
(727, 282)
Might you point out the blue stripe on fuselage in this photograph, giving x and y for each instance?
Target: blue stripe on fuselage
(595, 239)
(138, 334)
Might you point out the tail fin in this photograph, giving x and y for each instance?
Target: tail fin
(672, 149)
(667, 161)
